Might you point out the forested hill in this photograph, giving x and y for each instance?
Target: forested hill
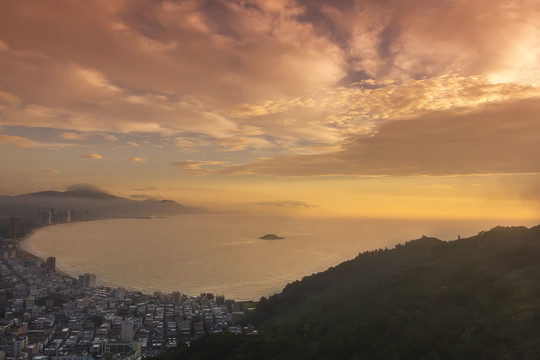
(474, 298)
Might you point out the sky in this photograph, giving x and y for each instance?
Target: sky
(364, 108)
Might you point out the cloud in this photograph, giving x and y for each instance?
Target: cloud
(23, 142)
(218, 60)
(82, 186)
(259, 79)
(198, 167)
(394, 39)
(525, 187)
(73, 136)
(7, 98)
(18, 141)
(133, 144)
(91, 156)
(51, 171)
(493, 139)
(284, 204)
(142, 197)
(138, 160)
(151, 188)
(110, 137)
(321, 122)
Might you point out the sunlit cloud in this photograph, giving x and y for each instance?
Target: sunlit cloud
(18, 141)
(92, 156)
(311, 99)
(138, 160)
(284, 204)
(51, 171)
(110, 137)
(23, 142)
(198, 167)
(73, 136)
(494, 139)
(7, 98)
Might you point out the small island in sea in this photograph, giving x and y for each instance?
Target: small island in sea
(271, 237)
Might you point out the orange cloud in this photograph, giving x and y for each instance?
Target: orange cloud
(138, 160)
(198, 167)
(18, 141)
(23, 142)
(92, 156)
(73, 136)
(494, 139)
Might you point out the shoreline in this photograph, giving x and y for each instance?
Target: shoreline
(18, 246)
(102, 284)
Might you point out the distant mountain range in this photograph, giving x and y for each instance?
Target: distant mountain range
(99, 204)
(474, 298)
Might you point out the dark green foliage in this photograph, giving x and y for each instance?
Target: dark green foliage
(476, 298)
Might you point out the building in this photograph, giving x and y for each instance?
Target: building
(127, 330)
(220, 299)
(29, 303)
(119, 294)
(80, 215)
(51, 264)
(60, 216)
(109, 347)
(70, 357)
(19, 344)
(87, 281)
(45, 217)
(14, 227)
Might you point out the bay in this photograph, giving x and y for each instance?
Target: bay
(222, 254)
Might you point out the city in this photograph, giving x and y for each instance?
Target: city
(48, 315)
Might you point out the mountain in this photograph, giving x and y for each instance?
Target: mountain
(474, 298)
(99, 205)
(80, 193)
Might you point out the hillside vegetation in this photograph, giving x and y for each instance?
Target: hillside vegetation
(474, 298)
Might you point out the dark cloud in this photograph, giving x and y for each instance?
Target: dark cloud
(76, 187)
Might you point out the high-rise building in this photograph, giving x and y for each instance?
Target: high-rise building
(220, 299)
(60, 216)
(87, 281)
(14, 227)
(45, 217)
(175, 296)
(80, 215)
(29, 303)
(19, 344)
(127, 330)
(51, 264)
(119, 294)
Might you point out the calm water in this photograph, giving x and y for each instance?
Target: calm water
(221, 254)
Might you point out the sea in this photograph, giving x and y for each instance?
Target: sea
(223, 254)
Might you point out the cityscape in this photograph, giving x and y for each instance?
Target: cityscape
(48, 315)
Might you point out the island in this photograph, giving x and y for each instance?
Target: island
(271, 237)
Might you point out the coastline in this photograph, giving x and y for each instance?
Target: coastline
(18, 246)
